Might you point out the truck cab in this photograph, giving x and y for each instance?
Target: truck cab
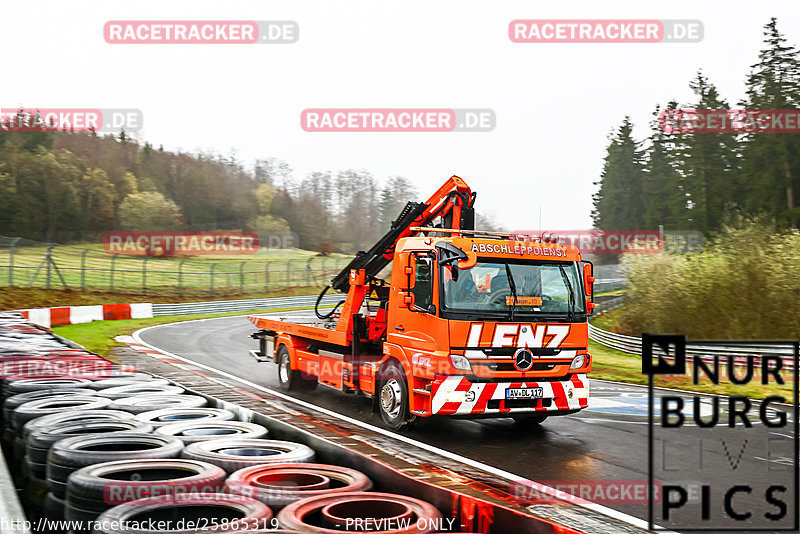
(501, 332)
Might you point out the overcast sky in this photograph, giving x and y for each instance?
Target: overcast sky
(555, 103)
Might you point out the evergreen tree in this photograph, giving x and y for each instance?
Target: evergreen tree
(772, 160)
(664, 193)
(619, 202)
(709, 163)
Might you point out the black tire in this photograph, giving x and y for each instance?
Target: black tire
(34, 409)
(69, 455)
(208, 508)
(291, 379)
(18, 449)
(11, 403)
(39, 442)
(145, 388)
(96, 488)
(133, 379)
(171, 416)
(392, 396)
(53, 507)
(194, 432)
(36, 384)
(58, 419)
(306, 515)
(37, 469)
(279, 485)
(35, 491)
(529, 420)
(79, 518)
(148, 403)
(233, 454)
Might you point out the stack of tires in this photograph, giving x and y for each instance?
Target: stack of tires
(109, 448)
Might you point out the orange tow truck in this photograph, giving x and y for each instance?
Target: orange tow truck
(471, 323)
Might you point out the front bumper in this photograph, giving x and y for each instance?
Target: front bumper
(456, 395)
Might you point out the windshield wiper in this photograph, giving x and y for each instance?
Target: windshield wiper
(513, 287)
(571, 314)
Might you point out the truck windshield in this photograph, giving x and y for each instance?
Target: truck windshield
(541, 288)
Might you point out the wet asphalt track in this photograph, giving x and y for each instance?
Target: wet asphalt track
(607, 442)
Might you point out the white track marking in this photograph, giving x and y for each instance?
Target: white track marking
(511, 477)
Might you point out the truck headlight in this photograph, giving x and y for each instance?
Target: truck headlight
(460, 362)
(578, 361)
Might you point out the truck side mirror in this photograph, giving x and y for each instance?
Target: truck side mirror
(588, 285)
(407, 277)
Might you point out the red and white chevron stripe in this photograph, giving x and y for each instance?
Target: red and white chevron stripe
(85, 314)
(455, 395)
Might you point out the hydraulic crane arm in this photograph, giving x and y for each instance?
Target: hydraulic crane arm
(453, 202)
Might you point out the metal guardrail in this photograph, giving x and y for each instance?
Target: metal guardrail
(633, 345)
(223, 306)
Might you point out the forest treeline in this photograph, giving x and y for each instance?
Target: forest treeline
(697, 181)
(59, 186)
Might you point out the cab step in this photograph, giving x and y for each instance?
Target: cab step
(260, 358)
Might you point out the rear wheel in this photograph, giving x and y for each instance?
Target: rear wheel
(393, 397)
(290, 379)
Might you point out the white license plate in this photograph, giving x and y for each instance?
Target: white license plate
(524, 393)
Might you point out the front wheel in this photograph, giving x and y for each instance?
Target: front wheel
(393, 397)
(288, 378)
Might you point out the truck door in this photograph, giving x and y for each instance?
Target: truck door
(414, 323)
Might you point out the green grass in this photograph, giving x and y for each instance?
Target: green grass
(266, 269)
(607, 321)
(98, 336)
